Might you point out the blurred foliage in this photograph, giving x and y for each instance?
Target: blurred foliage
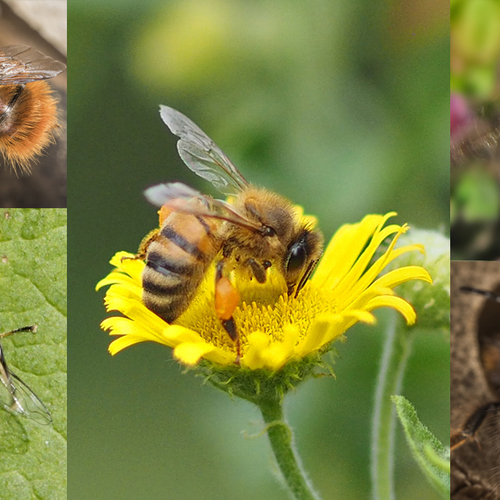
(475, 126)
(340, 106)
(475, 47)
(477, 197)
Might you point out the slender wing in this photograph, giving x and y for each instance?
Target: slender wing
(182, 198)
(201, 154)
(22, 64)
(17, 397)
(482, 145)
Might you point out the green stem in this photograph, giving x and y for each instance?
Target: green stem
(394, 356)
(281, 439)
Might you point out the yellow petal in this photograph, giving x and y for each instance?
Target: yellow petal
(345, 248)
(118, 325)
(396, 303)
(119, 258)
(346, 320)
(318, 331)
(126, 341)
(359, 278)
(402, 275)
(118, 278)
(190, 353)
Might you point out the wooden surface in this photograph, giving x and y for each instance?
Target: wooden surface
(475, 466)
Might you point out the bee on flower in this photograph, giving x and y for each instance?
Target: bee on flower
(243, 284)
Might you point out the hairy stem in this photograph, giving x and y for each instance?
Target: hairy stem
(395, 354)
(281, 439)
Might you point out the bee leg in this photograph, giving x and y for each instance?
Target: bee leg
(143, 247)
(227, 299)
(258, 269)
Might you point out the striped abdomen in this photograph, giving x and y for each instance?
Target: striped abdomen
(176, 262)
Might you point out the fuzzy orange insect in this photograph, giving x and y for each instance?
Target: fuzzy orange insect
(28, 111)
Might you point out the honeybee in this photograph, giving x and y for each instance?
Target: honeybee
(15, 395)
(28, 112)
(259, 229)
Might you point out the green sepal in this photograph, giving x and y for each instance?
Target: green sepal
(259, 386)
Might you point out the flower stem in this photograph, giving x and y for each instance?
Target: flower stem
(281, 439)
(394, 356)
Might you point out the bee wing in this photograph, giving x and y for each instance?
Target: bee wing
(22, 64)
(17, 397)
(201, 154)
(179, 197)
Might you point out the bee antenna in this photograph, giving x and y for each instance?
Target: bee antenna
(490, 295)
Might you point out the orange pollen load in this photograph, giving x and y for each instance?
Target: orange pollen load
(227, 299)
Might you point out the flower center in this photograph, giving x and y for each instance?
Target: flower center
(264, 307)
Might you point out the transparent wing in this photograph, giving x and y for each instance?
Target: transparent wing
(182, 198)
(482, 145)
(201, 154)
(17, 397)
(22, 64)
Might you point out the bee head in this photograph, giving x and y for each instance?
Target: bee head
(301, 257)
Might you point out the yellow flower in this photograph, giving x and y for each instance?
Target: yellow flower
(274, 329)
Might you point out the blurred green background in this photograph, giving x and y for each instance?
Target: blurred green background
(340, 106)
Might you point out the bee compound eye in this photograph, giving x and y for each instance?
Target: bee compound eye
(296, 258)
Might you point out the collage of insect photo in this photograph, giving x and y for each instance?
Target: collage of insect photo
(268, 237)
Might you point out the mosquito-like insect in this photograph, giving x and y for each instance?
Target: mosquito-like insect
(15, 395)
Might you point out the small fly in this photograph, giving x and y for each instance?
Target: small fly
(15, 395)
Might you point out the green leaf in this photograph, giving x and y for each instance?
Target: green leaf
(33, 282)
(432, 457)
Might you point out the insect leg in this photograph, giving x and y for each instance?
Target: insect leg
(143, 247)
(489, 295)
(31, 328)
(227, 299)
(258, 269)
(473, 424)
